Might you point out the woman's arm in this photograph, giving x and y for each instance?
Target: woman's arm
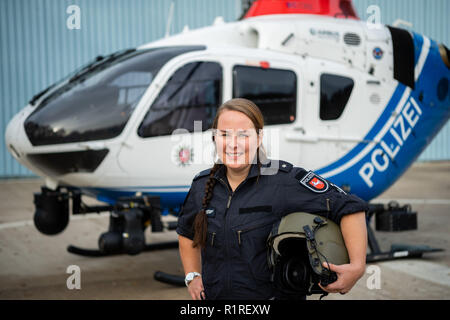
(354, 232)
(191, 260)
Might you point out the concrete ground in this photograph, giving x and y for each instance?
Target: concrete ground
(34, 266)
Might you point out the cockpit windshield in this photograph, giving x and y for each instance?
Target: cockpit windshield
(97, 101)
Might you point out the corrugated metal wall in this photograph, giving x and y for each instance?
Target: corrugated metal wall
(428, 17)
(37, 48)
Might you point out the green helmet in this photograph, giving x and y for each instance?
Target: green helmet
(298, 245)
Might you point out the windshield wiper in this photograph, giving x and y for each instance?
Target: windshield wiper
(87, 68)
(40, 94)
(99, 61)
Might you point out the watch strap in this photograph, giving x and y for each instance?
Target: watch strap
(189, 275)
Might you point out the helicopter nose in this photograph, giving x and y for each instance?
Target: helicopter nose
(11, 137)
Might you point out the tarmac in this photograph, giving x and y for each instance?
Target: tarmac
(36, 266)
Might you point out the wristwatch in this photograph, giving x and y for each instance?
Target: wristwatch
(190, 276)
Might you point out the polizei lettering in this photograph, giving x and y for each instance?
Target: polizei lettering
(392, 141)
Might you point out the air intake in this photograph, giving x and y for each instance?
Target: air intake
(352, 39)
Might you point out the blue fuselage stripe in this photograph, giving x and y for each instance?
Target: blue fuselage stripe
(396, 96)
(393, 101)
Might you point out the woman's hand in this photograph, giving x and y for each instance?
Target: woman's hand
(354, 232)
(347, 276)
(196, 289)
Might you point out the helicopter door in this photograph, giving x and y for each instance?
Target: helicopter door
(191, 93)
(274, 90)
(333, 116)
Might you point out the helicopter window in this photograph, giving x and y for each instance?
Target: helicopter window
(334, 94)
(98, 100)
(193, 93)
(274, 91)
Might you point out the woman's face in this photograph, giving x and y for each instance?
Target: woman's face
(236, 139)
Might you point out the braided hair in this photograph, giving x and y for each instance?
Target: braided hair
(254, 113)
(201, 221)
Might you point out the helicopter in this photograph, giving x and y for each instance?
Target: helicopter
(355, 102)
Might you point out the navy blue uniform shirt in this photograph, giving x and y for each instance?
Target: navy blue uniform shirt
(234, 261)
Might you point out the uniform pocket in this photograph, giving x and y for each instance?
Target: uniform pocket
(210, 253)
(210, 259)
(213, 238)
(212, 243)
(252, 242)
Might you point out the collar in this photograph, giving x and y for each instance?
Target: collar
(253, 172)
(271, 167)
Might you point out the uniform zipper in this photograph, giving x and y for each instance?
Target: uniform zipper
(230, 195)
(328, 207)
(229, 200)
(239, 232)
(213, 234)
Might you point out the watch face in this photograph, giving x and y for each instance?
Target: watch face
(190, 276)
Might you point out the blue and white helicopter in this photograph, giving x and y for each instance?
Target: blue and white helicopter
(354, 101)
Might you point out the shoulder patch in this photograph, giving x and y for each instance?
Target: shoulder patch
(314, 182)
(202, 174)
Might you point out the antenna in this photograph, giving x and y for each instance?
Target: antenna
(400, 22)
(169, 19)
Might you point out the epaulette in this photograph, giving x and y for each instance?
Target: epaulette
(202, 174)
(273, 166)
(285, 166)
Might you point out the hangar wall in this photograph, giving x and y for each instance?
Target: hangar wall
(37, 48)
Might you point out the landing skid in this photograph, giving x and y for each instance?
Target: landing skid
(100, 253)
(169, 278)
(398, 251)
(158, 275)
(393, 218)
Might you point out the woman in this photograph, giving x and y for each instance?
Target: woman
(230, 209)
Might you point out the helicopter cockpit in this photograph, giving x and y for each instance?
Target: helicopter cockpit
(96, 102)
